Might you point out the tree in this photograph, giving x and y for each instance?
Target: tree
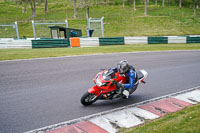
(46, 6)
(180, 3)
(123, 3)
(97, 2)
(145, 7)
(195, 6)
(87, 10)
(75, 11)
(168, 1)
(163, 3)
(33, 7)
(134, 8)
(81, 4)
(156, 2)
(24, 5)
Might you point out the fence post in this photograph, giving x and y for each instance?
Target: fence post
(16, 27)
(88, 28)
(66, 23)
(34, 33)
(102, 28)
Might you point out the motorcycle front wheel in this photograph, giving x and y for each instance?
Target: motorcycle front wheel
(88, 98)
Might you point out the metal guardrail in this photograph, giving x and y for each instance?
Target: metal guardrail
(96, 20)
(34, 30)
(14, 26)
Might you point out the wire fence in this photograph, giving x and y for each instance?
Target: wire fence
(96, 24)
(41, 28)
(9, 30)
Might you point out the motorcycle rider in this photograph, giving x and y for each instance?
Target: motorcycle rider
(129, 72)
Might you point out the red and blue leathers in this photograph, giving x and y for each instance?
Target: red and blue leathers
(130, 77)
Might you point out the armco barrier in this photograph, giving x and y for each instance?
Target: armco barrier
(11, 43)
(157, 40)
(136, 40)
(94, 41)
(49, 43)
(111, 41)
(89, 42)
(6, 39)
(193, 39)
(176, 39)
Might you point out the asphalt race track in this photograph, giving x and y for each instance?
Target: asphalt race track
(41, 92)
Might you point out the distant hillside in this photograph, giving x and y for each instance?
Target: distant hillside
(119, 21)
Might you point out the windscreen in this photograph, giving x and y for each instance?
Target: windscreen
(108, 74)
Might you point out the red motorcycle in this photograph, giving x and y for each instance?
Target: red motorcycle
(106, 86)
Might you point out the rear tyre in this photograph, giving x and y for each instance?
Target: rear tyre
(134, 89)
(88, 99)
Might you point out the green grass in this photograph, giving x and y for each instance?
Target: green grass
(11, 54)
(118, 21)
(184, 121)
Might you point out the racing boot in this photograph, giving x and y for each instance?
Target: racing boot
(125, 94)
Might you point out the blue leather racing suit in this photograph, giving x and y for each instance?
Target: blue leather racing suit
(131, 79)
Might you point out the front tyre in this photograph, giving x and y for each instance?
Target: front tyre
(88, 98)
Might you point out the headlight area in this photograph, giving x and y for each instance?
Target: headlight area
(98, 83)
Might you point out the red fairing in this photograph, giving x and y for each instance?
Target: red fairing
(106, 83)
(94, 90)
(120, 78)
(97, 90)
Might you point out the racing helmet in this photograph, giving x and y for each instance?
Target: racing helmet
(123, 66)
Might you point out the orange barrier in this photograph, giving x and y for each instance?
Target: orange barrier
(75, 42)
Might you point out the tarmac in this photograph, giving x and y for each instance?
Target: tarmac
(127, 116)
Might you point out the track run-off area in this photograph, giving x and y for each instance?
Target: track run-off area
(39, 92)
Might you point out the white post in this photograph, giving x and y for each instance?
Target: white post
(16, 27)
(88, 28)
(34, 33)
(66, 23)
(102, 28)
(89, 22)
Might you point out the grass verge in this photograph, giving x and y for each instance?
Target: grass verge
(184, 121)
(118, 21)
(12, 54)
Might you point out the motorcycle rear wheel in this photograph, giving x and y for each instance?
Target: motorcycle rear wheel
(134, 89)
(88, 99)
